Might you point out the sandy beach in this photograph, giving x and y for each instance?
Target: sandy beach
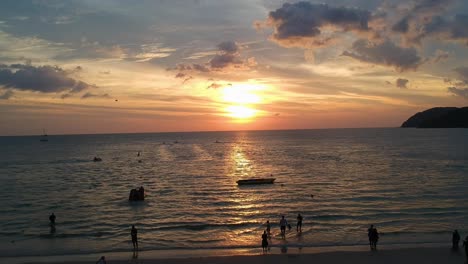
(401, 256)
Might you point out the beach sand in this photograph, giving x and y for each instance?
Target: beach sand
(400, 256)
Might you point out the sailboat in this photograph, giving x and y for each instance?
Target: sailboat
(44, 137)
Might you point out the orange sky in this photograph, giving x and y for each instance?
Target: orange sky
(112, 67)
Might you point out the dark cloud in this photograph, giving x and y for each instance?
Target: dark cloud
(45, 79)
(385, 53)
(227, 57)
(462, 92)
(301, 24)
(460, 87)
(228, 47)
(462, 73)
(440, 55)
(217, 85)
(447, 29)
(6, 95)
(401, 83)
(91, 95)
(401, 26)
(180, 75)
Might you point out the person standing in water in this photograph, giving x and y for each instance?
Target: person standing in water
(373, 237)
(299, 223)
(52, 219)
(265, 242)
(134, 234)
(102, 260)
(465, 245)
(455, 239)
(268, 227)
(283, 224)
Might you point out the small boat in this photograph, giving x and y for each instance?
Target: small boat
(256, 181)
(97, 159)
(44, 137)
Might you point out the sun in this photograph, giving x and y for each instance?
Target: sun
(240, 111)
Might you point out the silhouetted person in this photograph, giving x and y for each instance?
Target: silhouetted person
(268, 227)
(264, 242)
(138, 155)
(102, 260)
(134, 234)
(465, 245)
(283, 224)
(373, 237)
(299, 223)
(455, 239)
(52, 219)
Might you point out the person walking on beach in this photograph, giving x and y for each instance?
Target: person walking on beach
(465, 245)
(268, 227)
(373, 237)
(102, 260)
(52, 219)
(299, 223)
(134, 234)
(265, 242)
(455, 239)
(283, 224)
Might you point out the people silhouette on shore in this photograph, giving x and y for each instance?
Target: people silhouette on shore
(465, 245)
(373, 235)
(283, 223)
(264, 242)
(268, 227)
(52, 219)
(455, 239)
(101, 260)
(299, 223)
(134, 234)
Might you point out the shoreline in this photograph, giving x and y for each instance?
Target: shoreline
(251, 255)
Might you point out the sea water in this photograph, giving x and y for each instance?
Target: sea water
(410, 183)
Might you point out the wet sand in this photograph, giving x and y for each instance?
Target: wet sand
(401, 256)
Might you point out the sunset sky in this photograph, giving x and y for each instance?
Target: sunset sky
(74, 67)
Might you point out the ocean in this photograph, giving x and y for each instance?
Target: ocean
(410, 183)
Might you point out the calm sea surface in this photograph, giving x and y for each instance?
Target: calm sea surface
(411, 183)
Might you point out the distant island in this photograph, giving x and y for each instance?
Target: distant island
(439, 117)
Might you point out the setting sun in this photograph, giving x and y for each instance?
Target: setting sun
(239, 111)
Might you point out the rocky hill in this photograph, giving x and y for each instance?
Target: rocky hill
(439, 117)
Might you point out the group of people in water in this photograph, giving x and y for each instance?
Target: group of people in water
(283, 223)
(456, 241)
(372, 234)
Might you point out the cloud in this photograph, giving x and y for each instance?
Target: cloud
(302, 24)
(228, 47)
(462, 92)
(440, 55)
(6, 95)
(91, 95)
(217, 85)
(462, 73)
(460, 87)
(429, 18)
(401, 83)
(228, 57)
(385, 53)
(45, 79)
